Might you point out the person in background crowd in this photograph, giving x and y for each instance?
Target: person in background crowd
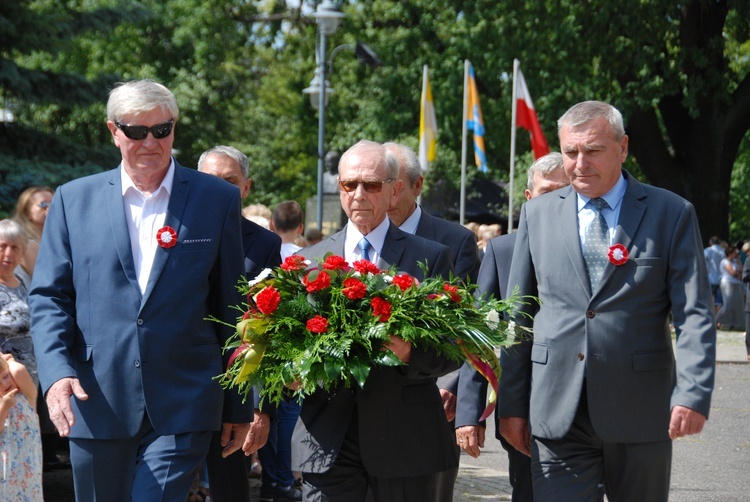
(596, 393)
(134, 260)
(732, 313)
(545, 175)
(227, 476)
(746, 281)
(288, 222)
(313, 236)
(31, 213)
(713, 255)
(20, 442)
(387, 437)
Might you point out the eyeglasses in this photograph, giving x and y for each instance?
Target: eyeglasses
(137, 132)
(44, 204)
(369, 186)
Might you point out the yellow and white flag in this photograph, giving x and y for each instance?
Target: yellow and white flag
(427, 125)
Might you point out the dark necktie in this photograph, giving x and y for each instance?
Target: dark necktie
(597, 243)
(364, 248)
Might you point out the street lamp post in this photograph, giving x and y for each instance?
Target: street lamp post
(328, 17)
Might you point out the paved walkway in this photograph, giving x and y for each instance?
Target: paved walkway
(481, 479)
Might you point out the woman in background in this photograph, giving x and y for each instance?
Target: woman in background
(31, 213)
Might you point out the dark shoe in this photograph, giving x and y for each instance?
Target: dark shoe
(267, 492)
(287, 494)
(56, 465)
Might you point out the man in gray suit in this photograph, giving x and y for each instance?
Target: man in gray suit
(390, 436)
(545, 175)
(597, 394)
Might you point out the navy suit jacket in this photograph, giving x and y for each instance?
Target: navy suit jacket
(262, 248)
(460, 240)
(139, 353)
(402, 426)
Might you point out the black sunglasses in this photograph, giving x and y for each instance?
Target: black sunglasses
(369, 186)
(137, 132)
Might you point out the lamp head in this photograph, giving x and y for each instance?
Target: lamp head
(328, 17)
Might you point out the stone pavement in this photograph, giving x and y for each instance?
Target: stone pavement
(486, 478)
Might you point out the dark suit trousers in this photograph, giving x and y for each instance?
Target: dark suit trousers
(348, 481)
(144, 467)
(519, 472)
(570, 469)
(227, 477)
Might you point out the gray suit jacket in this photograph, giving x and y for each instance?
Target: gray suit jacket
(612, 343)
(402, 426)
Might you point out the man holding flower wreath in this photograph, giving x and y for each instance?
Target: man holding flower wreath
(391, 435)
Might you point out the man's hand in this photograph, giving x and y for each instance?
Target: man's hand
(471, 438)
(449, 403)
(232, 436)
(401, 348)
(515, 430)
(257, 435)
(685, 422)
(58, 403)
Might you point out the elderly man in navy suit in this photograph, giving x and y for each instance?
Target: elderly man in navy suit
(262, 248)
(597, 394)
(133, 262)
(390, 436)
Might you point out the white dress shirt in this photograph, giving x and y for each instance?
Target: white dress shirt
(376, 238)
(145, 215)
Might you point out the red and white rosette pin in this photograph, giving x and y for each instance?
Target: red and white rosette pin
(617, 254)
(166, 237)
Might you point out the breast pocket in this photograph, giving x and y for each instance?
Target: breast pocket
(539, 353)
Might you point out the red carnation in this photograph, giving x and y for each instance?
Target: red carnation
(452, 292)
(354, 289)
(366, 267)
(403, 281)
(316, 281)
(317, 324)
(381, 308)
(334, 262)
(268, 300)
(294, 262)
(618, 254)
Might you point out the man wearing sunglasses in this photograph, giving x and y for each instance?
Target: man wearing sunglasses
(133, 261)
(350, 440)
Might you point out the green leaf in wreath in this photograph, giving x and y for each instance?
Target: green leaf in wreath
(359, 371)
(388, 358)
(333, 367)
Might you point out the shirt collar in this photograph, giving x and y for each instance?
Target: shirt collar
(411, 223)
(376, 237)
(166, 183)
(613, 197)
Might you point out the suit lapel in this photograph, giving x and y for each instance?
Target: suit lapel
(631, 214)
(175, 210)
(392, 252)
(567, 213)
(120, 232)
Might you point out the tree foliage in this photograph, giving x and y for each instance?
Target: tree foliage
(678, 72)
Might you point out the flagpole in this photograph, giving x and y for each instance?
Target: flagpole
(516, 65)
(462, 210)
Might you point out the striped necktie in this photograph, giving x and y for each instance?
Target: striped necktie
(597, 243)
(364, 248)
